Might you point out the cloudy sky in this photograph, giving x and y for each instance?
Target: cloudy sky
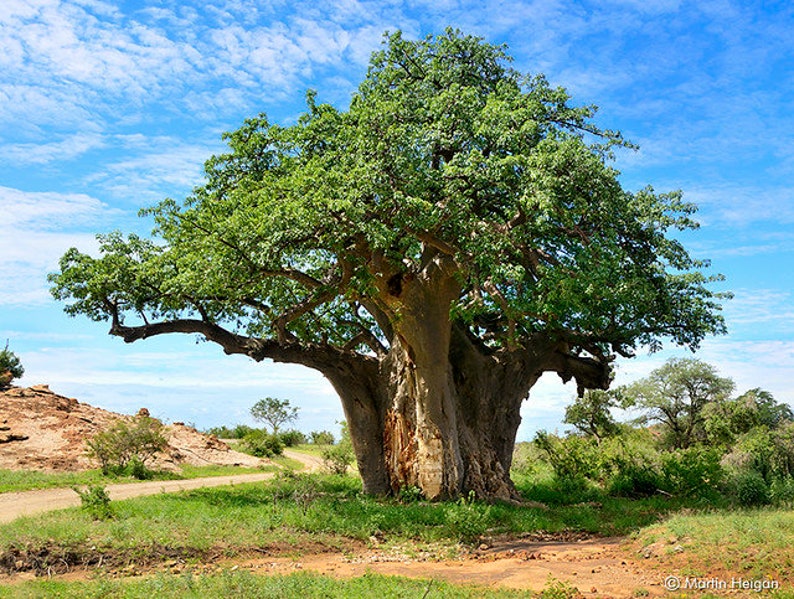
(107, 107)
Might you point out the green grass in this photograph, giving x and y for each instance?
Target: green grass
(300, 513)
(244, 584)
(311, 449)
(755, 543)
(293, 512)
(27, 480)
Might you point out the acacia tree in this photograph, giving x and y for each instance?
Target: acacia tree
(274, 412)
(432, 250)
(676, 394)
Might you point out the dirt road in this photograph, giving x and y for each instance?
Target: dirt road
(14, 505)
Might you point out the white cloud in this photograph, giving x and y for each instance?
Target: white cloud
(36, 229)
(69, 148)
(46, 210)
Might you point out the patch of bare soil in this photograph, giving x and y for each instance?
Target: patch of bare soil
(41, 430)
(597, 567)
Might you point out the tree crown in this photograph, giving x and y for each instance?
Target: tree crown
(274, 412)
(447, 164)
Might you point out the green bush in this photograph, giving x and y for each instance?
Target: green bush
(95, 500)
(752, 490)
(10, 367)
(292, 438)
(693, 471)
(572, 458)
(635, 480)
(782, 491)
(337, 458)
(117, 447)
(238, 431)
(263, 444)
(322, 438)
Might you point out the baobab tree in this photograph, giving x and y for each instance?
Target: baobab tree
(432, 250)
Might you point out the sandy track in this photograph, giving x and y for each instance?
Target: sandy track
(27, 503)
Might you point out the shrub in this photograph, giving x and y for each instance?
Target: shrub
(782, 491)
(292, 438)
(239, 431)
(263, 444)
(692, 471)
(337, 458)
(752, 490)
(571, 458)
(322, 438)
(10, 367)
(116, 447)
(95, 500)
(635, 480)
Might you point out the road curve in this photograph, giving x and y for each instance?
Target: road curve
(27, 503)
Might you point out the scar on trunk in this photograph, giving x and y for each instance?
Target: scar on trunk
(399, 443)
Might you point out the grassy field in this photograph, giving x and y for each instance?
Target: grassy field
(244, 584)
(27, 480)
(298, 513)
(752, 543)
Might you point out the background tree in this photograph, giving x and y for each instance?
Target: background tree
(590, 414)
(433, 250)
(10, 367)
(274, 412)
(675, 395)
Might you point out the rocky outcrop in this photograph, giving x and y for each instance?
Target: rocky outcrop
(41, 430)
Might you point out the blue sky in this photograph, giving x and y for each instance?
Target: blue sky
(107, 107)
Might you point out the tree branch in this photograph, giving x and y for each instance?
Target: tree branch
(588, 372)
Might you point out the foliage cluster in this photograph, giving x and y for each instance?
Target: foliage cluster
(95, 500)
(262, 444)
(322, 437)
(338, 458)
(691, 439)
(125, 447)
(10, 367)
(238, 431)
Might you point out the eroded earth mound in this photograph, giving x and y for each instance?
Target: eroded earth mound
(41, 430)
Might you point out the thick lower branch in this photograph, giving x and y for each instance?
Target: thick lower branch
(588, 372)
(319, 357)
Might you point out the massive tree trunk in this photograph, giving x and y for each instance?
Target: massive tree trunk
(443, 422)
(440, 411)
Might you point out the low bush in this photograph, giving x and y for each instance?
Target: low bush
(262, 444)
(95, 500)
(695, 471)
(292, 438)
(752, 490)
(125, 447)
(338, 458)
(322, 438)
